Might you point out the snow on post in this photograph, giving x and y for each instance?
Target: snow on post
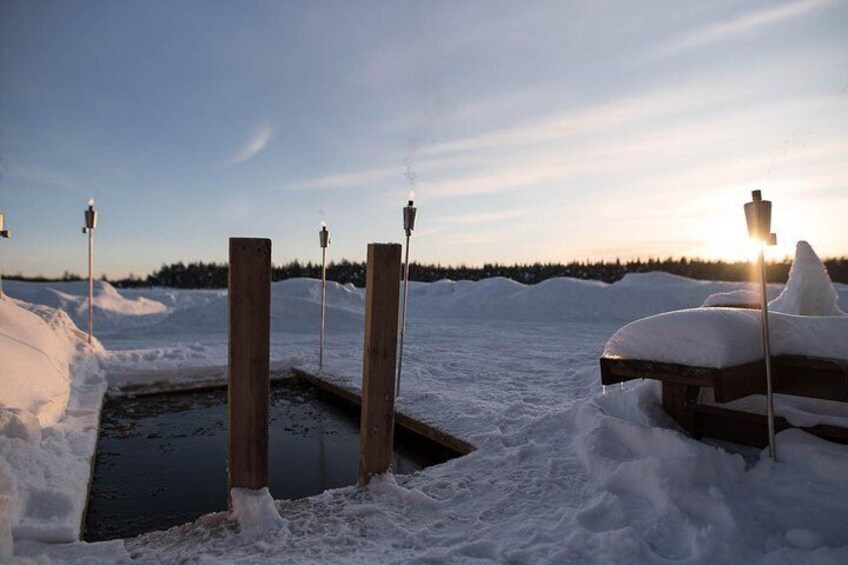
(249, 360)
(377, 423)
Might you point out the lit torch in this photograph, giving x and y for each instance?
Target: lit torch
(90, 226)
(758, 216)
(324, 241)
(408, 225)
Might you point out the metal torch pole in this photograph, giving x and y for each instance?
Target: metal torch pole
(323, 305)
(767, 356)
(403, 314)
(90, 283)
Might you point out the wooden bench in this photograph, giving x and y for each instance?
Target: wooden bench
(825, 379)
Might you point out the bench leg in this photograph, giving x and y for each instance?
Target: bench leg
(679, 401)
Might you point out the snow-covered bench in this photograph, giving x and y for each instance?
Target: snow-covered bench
(708, 359)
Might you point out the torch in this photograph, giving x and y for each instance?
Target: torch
(4, 234)
(758, 216)
(90, 226)
(408, 225)
(324, 241)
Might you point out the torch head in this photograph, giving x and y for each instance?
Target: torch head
(90, 216)
(409, 218)
(324, 237)
(4, 233)
(758, 216)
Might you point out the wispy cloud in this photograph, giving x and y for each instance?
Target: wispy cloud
(352, 179)
(739, 26)
(257, 142)
(483, 218)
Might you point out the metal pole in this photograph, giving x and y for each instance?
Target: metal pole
(323, 305)
(403, 315)
(90, 283)
(767, 357)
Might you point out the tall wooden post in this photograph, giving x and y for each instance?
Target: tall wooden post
(377, 423)
(249, 359)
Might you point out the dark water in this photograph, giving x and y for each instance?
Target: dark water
(161, 459)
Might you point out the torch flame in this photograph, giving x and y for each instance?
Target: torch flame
(91, 201)
(412, 195)
(323, 224)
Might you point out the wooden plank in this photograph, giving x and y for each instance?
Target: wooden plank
(620, 370)
(825, 379)
(249, 361)
(379, 362)
(752, 429)
(402, 420)
(679, 400)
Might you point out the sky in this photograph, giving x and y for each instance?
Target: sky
(529, 131)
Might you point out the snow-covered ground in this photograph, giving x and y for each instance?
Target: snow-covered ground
(563, 473)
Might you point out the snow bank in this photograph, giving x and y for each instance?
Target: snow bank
(561, 299)
(809, 291)
(295, 307)
(743, 297)
(722, 337)
(36, 353)
(112, 310)
(49, 406)
(659, 495)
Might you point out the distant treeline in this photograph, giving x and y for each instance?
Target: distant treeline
(214, 275)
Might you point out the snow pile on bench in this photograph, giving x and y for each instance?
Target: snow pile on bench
(806, 321)
(724, 337)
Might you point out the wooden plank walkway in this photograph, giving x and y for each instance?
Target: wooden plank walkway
(405, 421)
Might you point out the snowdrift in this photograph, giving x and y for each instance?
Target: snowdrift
(112, 310)
(560, 299)
(295, 307)
(36, 346)
(49, 401)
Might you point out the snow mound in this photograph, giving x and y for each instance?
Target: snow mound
(295, 307)
(36, 353)
(256, 512)
(809, 291)
(723, 337)
(49, 402)
(742, 297)
(111, 309)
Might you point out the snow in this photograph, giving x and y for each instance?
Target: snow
(562, 473)
(49, 411)
(805, 319)
(723, 337)
(255, 512)
(809, 291)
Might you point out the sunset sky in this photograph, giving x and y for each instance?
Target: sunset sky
(531, 131)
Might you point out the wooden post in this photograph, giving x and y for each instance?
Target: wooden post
(377, 423)
(249, 357)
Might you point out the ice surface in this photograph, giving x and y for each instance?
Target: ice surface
(808, 291)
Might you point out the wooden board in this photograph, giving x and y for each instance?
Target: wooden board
(379, 363)
(249, 361)
(402, 420)
(825, 379)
